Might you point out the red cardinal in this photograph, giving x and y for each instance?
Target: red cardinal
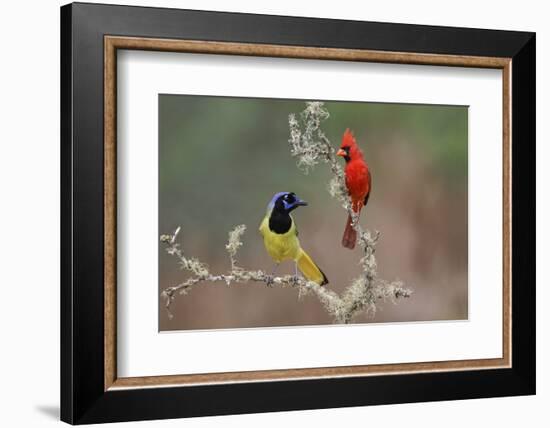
(358, 182)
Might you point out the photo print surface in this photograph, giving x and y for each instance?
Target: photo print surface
(277, 212)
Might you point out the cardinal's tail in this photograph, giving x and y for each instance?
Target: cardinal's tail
(309, 269)
(350, 235)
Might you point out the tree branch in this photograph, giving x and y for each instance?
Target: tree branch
(309, 145)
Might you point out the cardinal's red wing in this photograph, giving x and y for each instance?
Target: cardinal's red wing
(370, 189)
(358, 183)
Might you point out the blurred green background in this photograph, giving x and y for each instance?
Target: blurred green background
(221, 159)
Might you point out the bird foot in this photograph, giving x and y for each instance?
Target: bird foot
(295, 279)
(269, 280)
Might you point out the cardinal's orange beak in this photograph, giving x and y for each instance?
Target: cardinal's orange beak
(342, 153)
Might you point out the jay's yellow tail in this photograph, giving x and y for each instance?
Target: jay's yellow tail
(309, 269)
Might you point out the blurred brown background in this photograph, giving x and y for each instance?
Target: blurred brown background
(221, 160)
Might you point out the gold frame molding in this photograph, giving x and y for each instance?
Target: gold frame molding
(113, 43)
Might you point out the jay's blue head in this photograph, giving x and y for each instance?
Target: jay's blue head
(285, 202)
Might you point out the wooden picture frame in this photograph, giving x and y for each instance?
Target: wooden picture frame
(91, 390)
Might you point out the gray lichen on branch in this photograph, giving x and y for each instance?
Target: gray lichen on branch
(310, 146)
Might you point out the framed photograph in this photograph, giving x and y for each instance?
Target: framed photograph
(265, 213)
